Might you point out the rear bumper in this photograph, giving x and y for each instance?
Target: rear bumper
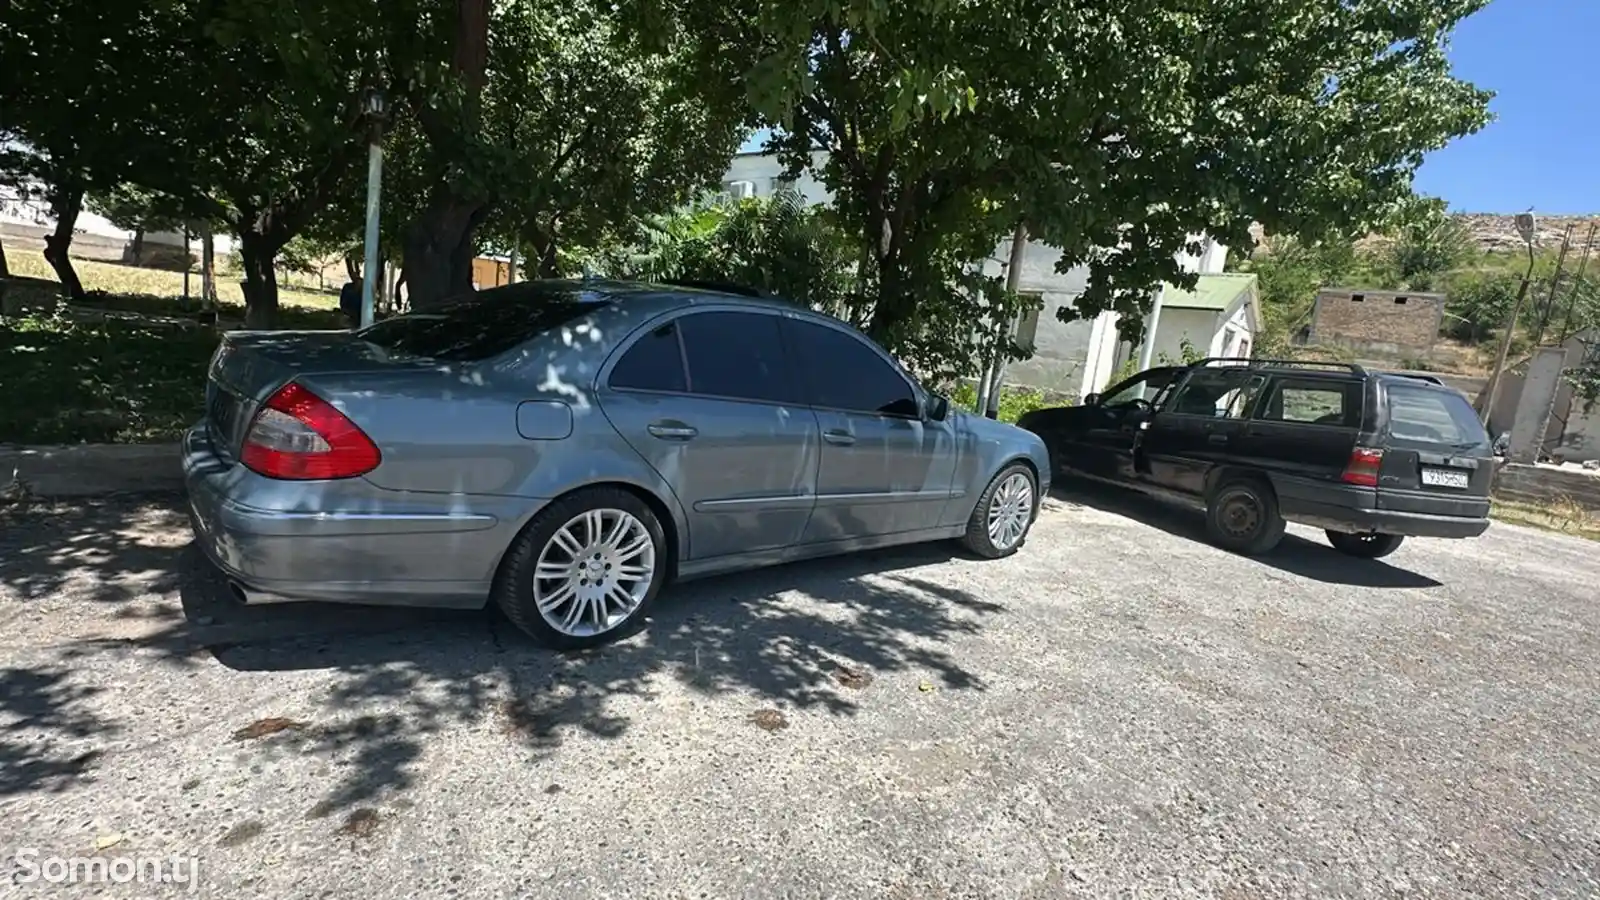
(333, 541)
(1354, 510)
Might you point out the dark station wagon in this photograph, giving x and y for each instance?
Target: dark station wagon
(1370, 457)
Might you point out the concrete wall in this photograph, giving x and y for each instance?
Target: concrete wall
(1546, 484)
(1385, 321)
(1199, 326)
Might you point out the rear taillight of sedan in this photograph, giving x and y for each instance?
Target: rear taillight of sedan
(299, 436)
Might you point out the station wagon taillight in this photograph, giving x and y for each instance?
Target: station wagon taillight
(1363, 467)
(299, 436)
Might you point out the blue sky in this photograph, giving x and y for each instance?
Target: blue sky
(1543, 150)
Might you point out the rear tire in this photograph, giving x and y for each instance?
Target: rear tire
(1365, 546)
(1242, 516)
(1004, 513)
(594, 561)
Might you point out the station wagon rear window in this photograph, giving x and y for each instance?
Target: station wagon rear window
(482, 325)
(1424, 416)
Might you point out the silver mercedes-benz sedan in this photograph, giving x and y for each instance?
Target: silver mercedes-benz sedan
(565, 448)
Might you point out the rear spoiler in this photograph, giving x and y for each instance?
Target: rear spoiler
(1418, 376)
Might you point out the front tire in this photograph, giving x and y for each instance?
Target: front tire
(1365, 546)
(1242, 516)
(585, 571)
(999, 524)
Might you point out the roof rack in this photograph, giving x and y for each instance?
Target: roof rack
(726, 287)
(1255, 363)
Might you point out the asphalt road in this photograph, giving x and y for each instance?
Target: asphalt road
(1118, 710)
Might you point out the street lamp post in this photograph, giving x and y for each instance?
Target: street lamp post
(369, 274)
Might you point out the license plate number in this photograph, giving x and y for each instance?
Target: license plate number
(1449, 478)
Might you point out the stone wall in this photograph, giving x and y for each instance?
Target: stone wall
(1384, 321)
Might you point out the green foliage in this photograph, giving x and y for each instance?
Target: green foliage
(777, 244)
(1114, 131)
(116, 380)
(1014, 402)
(1428, 248)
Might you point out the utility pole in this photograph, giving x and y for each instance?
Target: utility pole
(1147, 348)
(1525, 226)
(369, 268)
(1555, 284)
(1577, 283)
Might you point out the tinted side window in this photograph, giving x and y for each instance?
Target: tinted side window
(735, 354)
(841, 372)
(653, 363)
(1313, 402)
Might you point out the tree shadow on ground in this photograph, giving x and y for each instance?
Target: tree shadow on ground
(1295, 556)
(110, 551)
(802, 637)
(42, 714)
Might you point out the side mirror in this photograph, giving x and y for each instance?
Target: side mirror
(938, 408)
(1091, 399)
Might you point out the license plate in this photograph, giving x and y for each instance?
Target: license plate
(1450, 478)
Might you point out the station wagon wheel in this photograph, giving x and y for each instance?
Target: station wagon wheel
(1242, 516)
(1003, 514)
(1365, 546)
(585, 570)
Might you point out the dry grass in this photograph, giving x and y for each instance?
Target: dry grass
(1563, 515)
(114, 278)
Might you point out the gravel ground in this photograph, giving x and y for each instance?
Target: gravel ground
(1119, 709)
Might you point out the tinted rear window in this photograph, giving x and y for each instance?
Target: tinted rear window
(480, 326)
(1443, 418)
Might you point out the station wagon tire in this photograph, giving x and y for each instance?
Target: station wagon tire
(1242, 516)
(1365, 546)
(585, 571)
(999, 524)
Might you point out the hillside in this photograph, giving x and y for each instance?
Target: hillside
(1499, 232)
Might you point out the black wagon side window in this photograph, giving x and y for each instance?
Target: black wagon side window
(653, 363)
(738, 355)
(1313, 401)
(840, 371)
(1222, 392)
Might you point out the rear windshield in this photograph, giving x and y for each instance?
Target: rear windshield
(1434, 417)
(482, 325)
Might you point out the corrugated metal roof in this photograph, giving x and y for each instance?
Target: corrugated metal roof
(1216, 292)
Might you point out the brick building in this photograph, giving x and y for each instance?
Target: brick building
(1378, 321)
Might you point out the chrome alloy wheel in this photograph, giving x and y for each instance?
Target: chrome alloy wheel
(594, 572)
(1010, 510)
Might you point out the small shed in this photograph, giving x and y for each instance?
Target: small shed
(1377, 321)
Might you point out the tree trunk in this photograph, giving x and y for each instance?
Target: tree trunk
(439, 250)
(352, 266)
(65, 204)
(136, 251)
(5, 268)
(208, 267)
(439, 244)
(260, 280)
(511, 267)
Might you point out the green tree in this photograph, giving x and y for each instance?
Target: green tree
(1114, 132)
(1429, 246)
(78, 101)
(591, 133)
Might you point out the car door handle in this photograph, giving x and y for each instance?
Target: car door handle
(1215, 438)
(836, 436)
(672, 432)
